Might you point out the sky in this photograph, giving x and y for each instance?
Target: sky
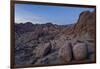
(40, 14)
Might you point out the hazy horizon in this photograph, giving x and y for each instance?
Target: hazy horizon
(41, 14)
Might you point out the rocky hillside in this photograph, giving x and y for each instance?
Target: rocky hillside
(43, 44)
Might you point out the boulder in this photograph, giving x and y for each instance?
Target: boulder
(59, 42)
(80, 51)
(65, 52)
(43, 50)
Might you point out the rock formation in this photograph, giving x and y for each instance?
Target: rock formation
(41, 44)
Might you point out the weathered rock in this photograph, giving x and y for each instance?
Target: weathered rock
(59, 42)
(43, 50)
(86, 24)
(49, 59)
(23, 54)
(65, 52)
(80, 51)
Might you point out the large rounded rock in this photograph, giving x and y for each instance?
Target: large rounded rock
(43, 50)
(80, 51)
(65, 52)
